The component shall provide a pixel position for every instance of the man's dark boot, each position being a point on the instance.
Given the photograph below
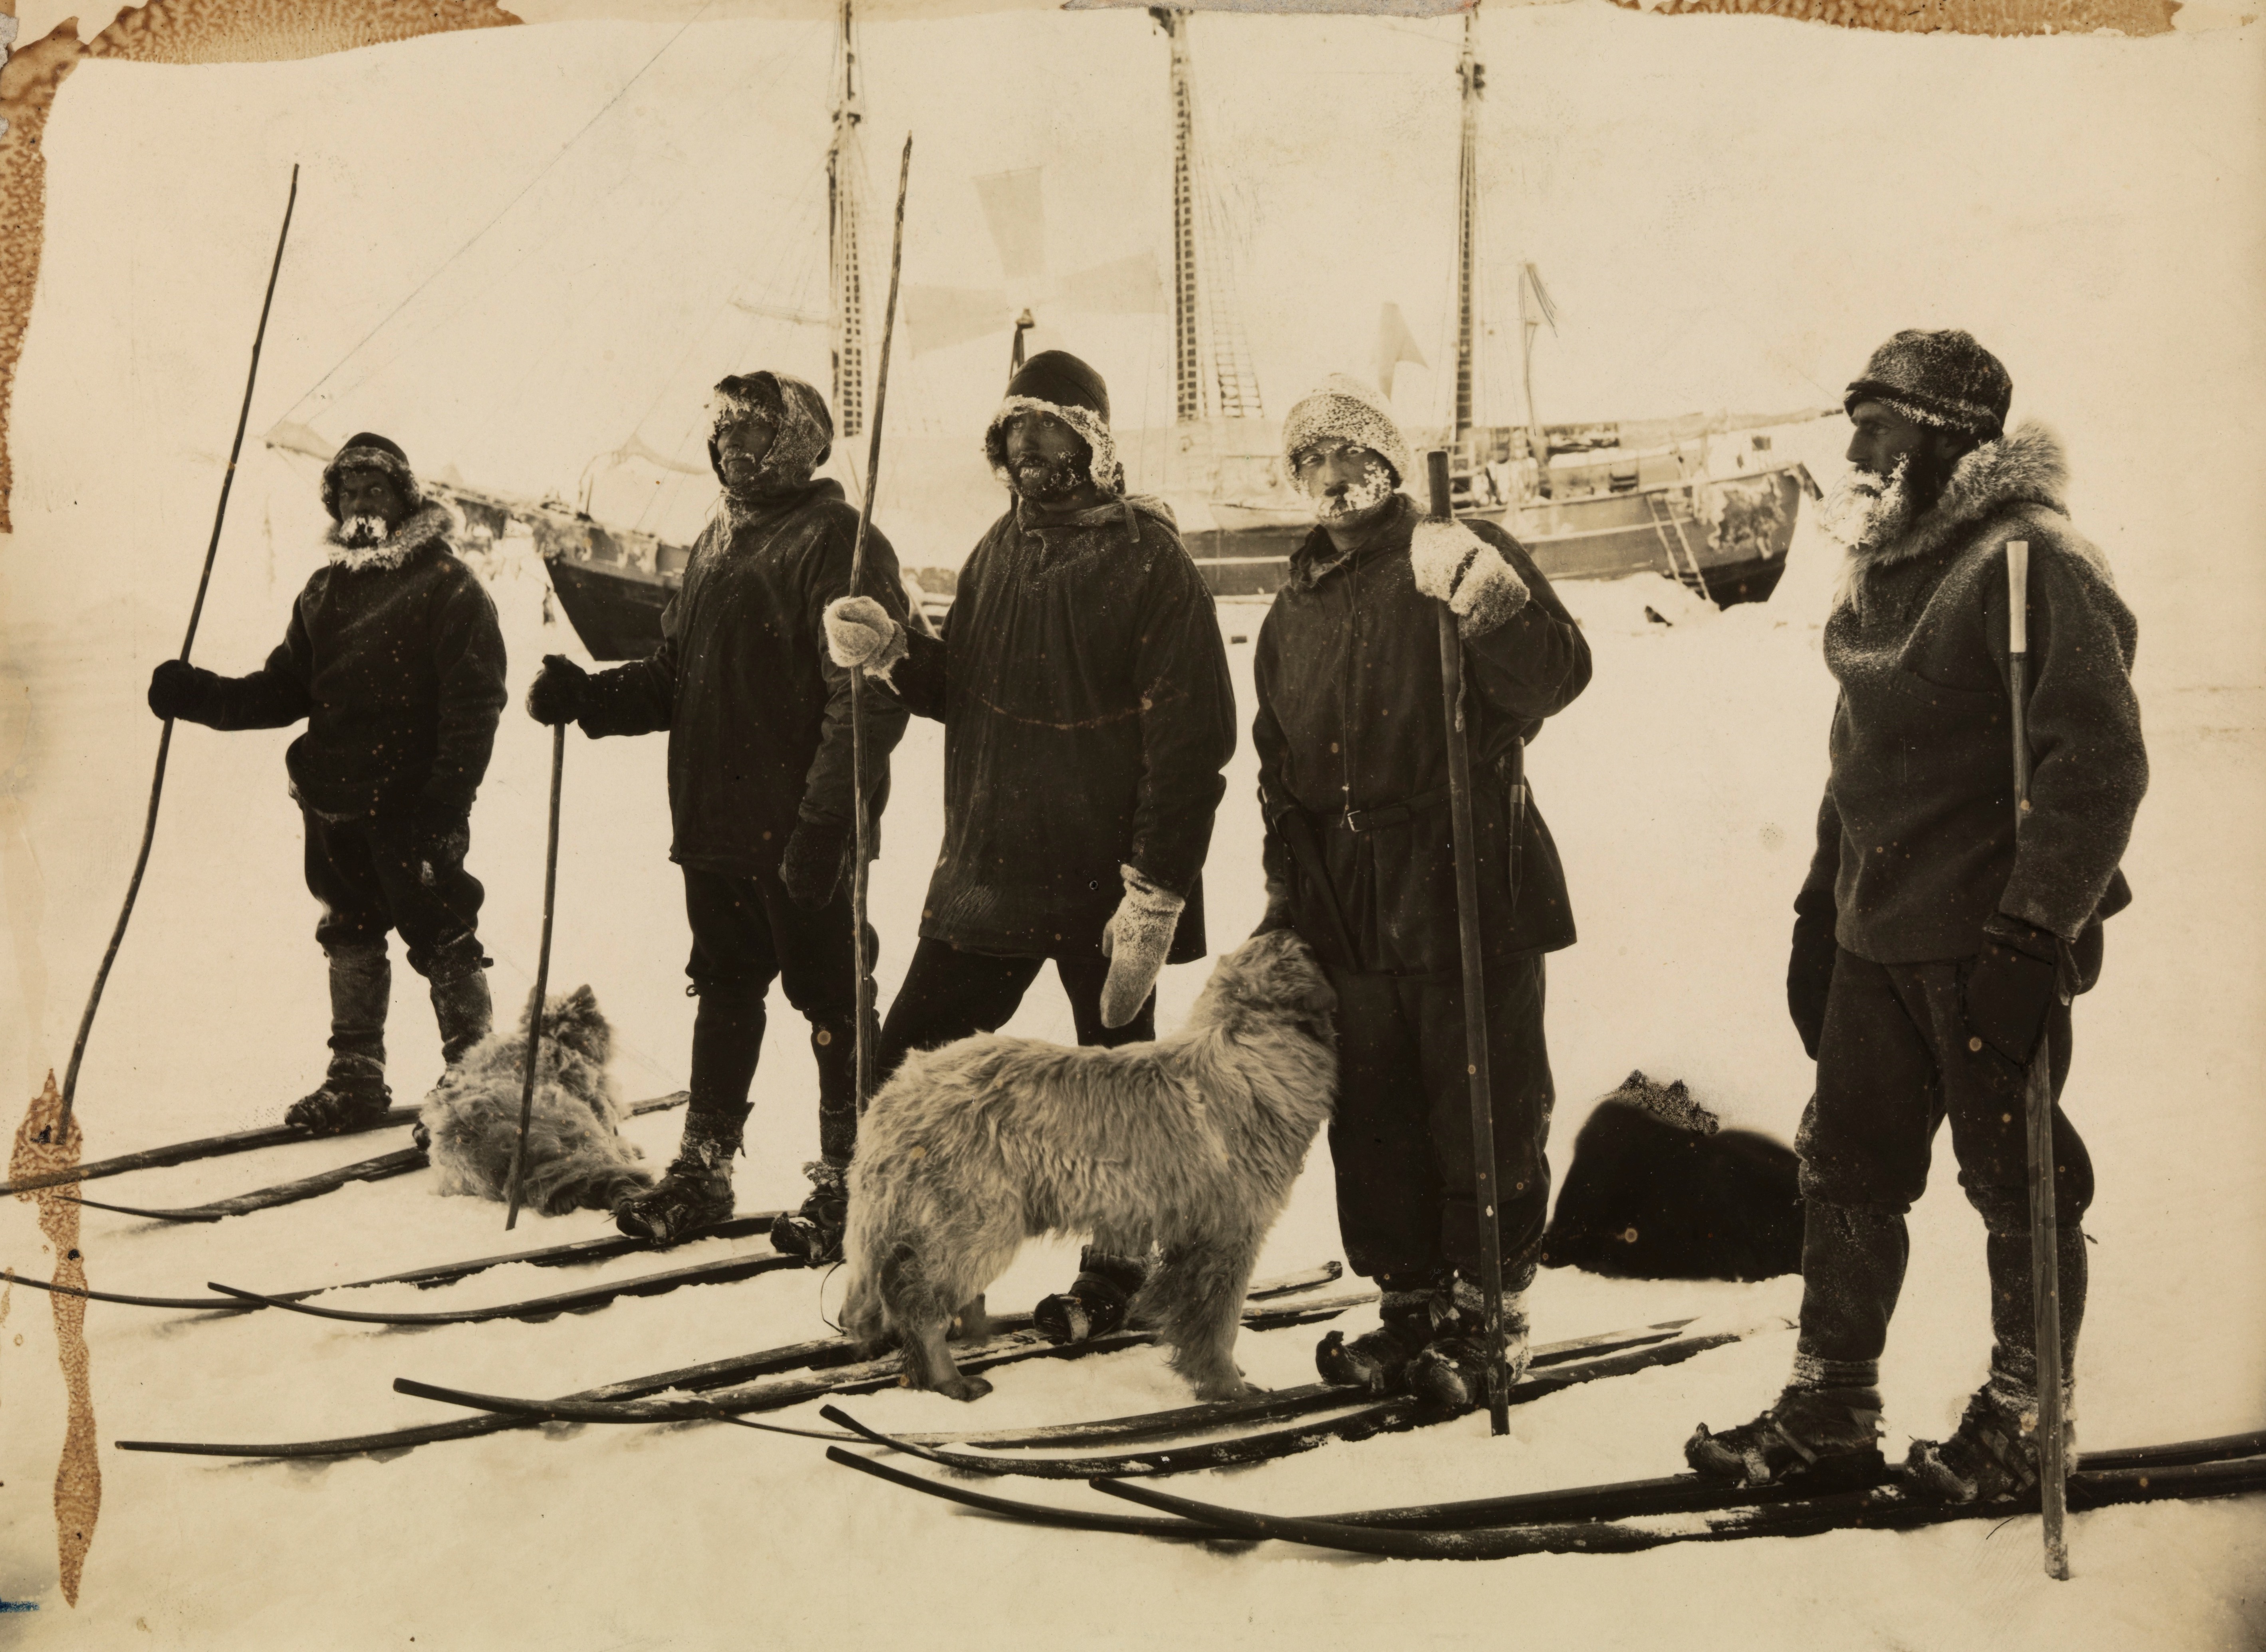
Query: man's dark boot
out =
(353, 1095)
(462, 1008)
(814, 1231)
(1095, 1304)
(1414, 1307)
(1451, 1375)
(696, 1192)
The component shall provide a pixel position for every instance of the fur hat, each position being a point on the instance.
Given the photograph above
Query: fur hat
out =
(369, 451)
(1944, 379)
(1056, 382)
(803, 430)
(1349, 411)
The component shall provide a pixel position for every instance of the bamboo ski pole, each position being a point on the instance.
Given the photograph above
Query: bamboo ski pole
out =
(2037, 1107)
(165, 738)
(862, 829)
(542, 976)
(1467, 926)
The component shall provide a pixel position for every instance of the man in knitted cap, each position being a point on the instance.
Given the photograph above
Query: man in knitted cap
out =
(1360, 854)
(1087, 714)
(1934, 949)
(394, 658)
(759, 786)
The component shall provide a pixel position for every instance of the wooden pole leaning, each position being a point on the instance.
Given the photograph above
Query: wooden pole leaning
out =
(1476, 1028)
(2038, 1104)
(165, 738)
(542, 978)
(862, 829)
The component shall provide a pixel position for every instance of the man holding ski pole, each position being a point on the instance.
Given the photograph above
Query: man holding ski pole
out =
(759, 786)
(1087, 715)
(1352, 733)
(1935, 947)
(394, 658)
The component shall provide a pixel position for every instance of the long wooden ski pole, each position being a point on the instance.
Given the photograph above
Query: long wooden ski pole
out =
(542, 976)
(863, 829)
(2037, 1107)
(1467, 927)
(165, 738)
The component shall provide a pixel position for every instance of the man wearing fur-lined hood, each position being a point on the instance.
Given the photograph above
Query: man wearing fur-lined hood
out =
(1353, 774)
(394, 658)
(1936, 947)
(1087, 716)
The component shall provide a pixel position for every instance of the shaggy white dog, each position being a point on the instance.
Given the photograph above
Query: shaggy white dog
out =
(576, 1158)
(1191, 1144)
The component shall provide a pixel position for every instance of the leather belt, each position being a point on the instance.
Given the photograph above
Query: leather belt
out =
(1370, 820)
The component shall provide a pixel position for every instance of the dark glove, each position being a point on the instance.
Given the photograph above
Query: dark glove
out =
(440, 835)
(812, 867)
(556, 695)
(178, 689)
(2012, 988)
(1278, 915)
(1809, 974)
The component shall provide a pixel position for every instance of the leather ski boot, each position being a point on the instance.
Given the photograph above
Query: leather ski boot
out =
(814, 1231)
(1993, 1454)
(464, 1011)
(353, 1095)
(1450, 1375)
(695, 1193)
(1825, 1427)
(1095, 1304)
(1377, 1361)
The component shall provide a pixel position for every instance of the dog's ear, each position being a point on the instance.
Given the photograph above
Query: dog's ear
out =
(575, 1023)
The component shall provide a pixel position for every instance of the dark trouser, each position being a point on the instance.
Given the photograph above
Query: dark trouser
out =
(364, 872)
(746, 934)
(1401, 1140)
(1895, 1061)
(949, 995)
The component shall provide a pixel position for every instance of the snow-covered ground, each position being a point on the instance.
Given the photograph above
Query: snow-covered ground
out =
(1681, 789)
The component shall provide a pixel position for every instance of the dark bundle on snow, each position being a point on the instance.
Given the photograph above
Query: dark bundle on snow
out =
(1658, 1190)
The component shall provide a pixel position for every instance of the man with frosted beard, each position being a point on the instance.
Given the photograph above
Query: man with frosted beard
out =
(394, 658)
(1087, 715)
(1361, 860)
(1935, 945)
(759, 787)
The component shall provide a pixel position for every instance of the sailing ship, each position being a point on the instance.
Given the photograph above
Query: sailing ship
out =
(1702, 500)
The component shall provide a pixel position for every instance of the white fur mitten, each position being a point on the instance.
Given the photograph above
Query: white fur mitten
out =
(1135, 940)
(1457, 566)
(861, 633)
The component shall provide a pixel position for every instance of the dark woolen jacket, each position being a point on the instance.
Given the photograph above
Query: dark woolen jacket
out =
(1087, 715)
(757, 713)
(397, 662)
(1917, 844)
(1352, 716)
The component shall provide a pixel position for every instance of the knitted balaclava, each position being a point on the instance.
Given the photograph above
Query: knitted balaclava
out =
(1945, 380)
(1056, 382)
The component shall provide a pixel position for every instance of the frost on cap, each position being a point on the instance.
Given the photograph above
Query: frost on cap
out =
(1057, 383)
(369, 451)
(803, 430)
(1346, 409)
(1945, 379)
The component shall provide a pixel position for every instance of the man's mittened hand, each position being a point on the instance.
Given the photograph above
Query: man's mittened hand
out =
(1135, 940)
(1278, 915)
(2012, 988)
(861, 633)
(178, 689)
(1453, 565)
(812, 867)
(1810, 976)
(556, 695)
(440, 836)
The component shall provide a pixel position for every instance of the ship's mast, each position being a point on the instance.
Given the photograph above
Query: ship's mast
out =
(845, 289)
(1471, 73)
(1188, 360)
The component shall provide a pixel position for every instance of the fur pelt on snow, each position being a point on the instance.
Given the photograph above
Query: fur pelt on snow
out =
(576, 1157)
(1189, 1144)
(1657, 1191)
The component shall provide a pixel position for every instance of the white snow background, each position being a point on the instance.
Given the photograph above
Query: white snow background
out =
(1732, 213)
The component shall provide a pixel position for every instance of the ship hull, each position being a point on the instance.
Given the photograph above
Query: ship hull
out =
(616, 612)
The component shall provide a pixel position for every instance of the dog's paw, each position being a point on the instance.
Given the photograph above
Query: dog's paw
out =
(965, 1387)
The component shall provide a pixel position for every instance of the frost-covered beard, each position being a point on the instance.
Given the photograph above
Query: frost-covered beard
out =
(362, 533)
(1045, 481)
(1865, 510)
(1358, 498)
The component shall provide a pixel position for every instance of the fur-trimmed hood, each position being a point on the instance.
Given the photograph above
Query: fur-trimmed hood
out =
(429, 523)
(2025, 468)
(1105, 470)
